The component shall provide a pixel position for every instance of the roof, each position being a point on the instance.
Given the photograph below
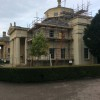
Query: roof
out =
(58, 7)
(58, 22)
(5, 39)
(13, 28)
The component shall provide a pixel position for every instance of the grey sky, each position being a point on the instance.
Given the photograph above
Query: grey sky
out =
(24, 11)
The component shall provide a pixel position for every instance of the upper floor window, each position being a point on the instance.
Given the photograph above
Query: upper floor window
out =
(55, 14)
(86, 53)
(51, 33)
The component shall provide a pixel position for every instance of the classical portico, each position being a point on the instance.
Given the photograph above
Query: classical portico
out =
(18, 45)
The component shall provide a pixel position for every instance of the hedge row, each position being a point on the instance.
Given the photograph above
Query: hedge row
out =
(47, 74)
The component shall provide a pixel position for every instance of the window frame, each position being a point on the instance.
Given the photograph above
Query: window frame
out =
(51, 33)
(86, 53)
(62, 53)
(52, 52)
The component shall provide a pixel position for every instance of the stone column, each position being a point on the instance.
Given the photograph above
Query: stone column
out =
(25, 50)
(11, 52)
(4, 52)
(14, 51)
(17, 53)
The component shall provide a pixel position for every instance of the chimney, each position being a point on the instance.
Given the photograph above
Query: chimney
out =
(10, 24)
(4, 34)
(59, 3)
(14, 23)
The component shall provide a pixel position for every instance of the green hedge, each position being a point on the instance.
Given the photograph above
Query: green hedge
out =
(47, 74)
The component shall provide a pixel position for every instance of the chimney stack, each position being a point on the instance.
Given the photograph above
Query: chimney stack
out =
(4, 34)
(10, 24)
(59, 3)
(14, 23)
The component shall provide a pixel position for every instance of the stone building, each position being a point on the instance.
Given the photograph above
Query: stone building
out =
(4, 48)
(63, 28)
(18, 44)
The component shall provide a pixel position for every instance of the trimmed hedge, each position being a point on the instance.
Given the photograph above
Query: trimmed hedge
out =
(47, 74)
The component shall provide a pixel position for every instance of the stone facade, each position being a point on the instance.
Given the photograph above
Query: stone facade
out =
(18, 45)
(4, 48)
(63, 28)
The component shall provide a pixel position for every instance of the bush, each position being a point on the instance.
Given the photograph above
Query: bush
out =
(47, 74)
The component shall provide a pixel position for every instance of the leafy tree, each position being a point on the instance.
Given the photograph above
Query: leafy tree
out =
(39, 45)
(92, 36)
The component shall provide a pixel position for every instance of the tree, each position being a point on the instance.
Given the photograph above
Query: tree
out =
(92, 36)
(39, 45)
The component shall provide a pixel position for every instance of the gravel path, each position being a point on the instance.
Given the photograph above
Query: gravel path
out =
(69, 90)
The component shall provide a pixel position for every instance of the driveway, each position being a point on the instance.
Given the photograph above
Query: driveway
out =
(69, 90)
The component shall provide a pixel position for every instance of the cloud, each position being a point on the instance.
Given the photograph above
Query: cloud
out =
(13, 8)
(16, 10)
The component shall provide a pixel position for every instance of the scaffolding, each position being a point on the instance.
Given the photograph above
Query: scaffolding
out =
(59, 41)
(62, 35)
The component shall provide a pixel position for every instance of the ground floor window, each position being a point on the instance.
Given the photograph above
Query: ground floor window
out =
(63, 53)
(86, 53)
(51, 51)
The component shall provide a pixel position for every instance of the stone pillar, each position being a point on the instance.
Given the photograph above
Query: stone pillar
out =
(14, 51)
(17, 53)
(25, 50)
(4, 49)
(11, 52)
(2, 52)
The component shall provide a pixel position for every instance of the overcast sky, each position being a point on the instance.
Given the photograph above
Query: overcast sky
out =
(24, 11)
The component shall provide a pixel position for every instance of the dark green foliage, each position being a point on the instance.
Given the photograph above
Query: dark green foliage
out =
(47, 74)
(92, 36)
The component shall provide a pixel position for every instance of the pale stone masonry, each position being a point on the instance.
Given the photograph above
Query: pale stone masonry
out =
(4, 48)
(63, 28)
(18, 45)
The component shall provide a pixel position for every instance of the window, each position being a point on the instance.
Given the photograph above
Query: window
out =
(86, 53)
(63, 53)
(8, 50)
(51, 33)
(55, 14)
(51, 51)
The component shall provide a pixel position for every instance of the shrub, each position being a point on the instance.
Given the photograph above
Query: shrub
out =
(48, 73)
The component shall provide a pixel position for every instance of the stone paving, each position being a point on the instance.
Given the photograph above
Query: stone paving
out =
(69, 90)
